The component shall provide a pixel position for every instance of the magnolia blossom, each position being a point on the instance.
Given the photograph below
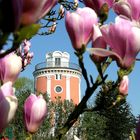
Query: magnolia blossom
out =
(123, 87)
(8, 104)
(97, 4)
(11, 11)
(35, 10)
(25, 12)
(25, 54)
(79, 25)
(123, 40)
(97, 42)
(26, 46)
(10, 67)
(128, 8)
(35, 110)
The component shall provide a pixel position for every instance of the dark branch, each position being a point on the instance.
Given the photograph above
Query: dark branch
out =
(82, 105)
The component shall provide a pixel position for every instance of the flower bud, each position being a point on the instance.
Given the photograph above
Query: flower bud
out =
(52, 28)
(123, 87)
(97, 5)
(10, 67)
(61, 11)
(79, 25)
(76, 3)
(98, 42)
(35, 110)
(8, 105)
(26, 46)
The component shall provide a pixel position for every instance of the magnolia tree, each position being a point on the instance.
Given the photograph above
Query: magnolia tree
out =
(23, 19)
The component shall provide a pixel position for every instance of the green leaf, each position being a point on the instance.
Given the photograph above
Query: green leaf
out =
(28, 32)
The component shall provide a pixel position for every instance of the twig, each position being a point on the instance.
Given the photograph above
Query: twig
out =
(82, 105)
(84, 72)
(14, 47)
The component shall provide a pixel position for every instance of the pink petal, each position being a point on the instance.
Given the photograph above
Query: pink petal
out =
(104, 53)
(97, 4)
(122, 38)
(135, 4)
(8, 105)
(27, 106)
(34, 10)
(79, 26)
(35, 110)
(123, 8)
(7, 89)
(97, 42)
(10, 67)
(12, 10)
(49, 4)
(123, 88)
(74, 26)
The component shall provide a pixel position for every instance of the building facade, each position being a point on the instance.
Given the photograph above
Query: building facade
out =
(58, 77)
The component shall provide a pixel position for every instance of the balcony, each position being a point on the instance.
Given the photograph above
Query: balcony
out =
(53, 64)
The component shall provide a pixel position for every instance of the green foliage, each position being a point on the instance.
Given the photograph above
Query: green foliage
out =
(23, 83)
(92, 126)
(107, 122)
(28, 32)
(119, 119)
(24, 87)
(115, 123)
(18, 122)
(58, 112)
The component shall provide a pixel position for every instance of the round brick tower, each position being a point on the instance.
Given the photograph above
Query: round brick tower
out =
(58, 77)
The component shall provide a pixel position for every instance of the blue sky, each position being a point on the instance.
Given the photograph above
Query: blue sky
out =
(60, 41)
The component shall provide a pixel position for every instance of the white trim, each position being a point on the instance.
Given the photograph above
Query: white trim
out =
(57, 71)
(68, 87)
(61, 73)
(49, 85)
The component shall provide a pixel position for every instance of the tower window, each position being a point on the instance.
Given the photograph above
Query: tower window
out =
(58, 76)
(57, 62)
(58, 89)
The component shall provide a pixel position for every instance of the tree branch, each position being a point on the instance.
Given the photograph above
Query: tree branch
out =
(82, 105)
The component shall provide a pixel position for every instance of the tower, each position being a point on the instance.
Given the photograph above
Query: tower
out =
(58, 77)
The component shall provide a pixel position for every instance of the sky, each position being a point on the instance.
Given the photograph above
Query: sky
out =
(60, 41)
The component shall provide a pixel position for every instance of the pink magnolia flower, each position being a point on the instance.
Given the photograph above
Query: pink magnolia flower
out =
(97, 4)
(128, 8)
(97, 42)
(123, 87)
(11, 11)
(123, 40)
(35, 10)
(8, 105)
(29, 58)
(25, 12)
(35, 110)
(25, 54)
(79, 25)
(26, 46)
(10, 67)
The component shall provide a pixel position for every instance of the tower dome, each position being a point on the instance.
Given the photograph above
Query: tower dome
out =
(57, 77)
